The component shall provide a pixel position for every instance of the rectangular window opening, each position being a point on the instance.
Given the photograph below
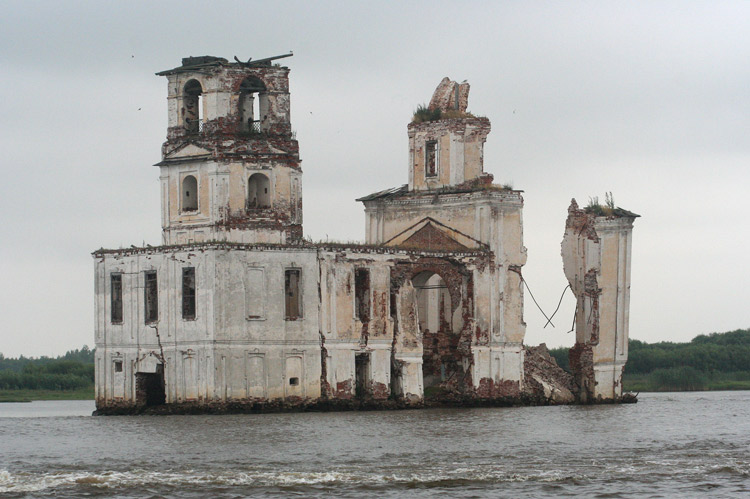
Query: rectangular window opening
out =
(118, 366)
(430, 159)
(188, 293)
(362, 294)
(151, 297)
(291, 294)
(294, 381)
(255, 293)
(116, 298)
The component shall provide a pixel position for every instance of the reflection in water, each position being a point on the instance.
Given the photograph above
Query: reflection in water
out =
(668, 444)
(46, 408)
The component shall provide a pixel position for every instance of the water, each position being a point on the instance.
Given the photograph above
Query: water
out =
(667, 445)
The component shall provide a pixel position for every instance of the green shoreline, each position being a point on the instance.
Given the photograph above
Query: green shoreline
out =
(31, 395)
(705, 383)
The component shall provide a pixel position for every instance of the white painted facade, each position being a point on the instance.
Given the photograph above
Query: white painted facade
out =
(240, 344)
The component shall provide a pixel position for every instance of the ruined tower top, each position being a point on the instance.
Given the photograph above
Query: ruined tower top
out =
(446, 143)
(450, 96)
(212, 97)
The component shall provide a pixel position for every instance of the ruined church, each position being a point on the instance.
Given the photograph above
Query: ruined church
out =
(236, 310)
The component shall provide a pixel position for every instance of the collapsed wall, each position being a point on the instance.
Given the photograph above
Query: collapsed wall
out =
(596, 253)
(544, 380)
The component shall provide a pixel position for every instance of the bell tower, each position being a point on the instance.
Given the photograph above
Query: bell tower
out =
(230, 168)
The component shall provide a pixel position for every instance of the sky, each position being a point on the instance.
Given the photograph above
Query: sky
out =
(647, 100)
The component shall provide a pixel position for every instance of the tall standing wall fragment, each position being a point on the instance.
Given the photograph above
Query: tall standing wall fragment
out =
(596, 253)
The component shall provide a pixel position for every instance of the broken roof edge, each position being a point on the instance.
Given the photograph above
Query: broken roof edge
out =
(451, 117)
(304, 245)
(385, 193)
(384, 250)
(403, 190)
(189, 159)
(193, 63)
(597, 209)
(607, 212)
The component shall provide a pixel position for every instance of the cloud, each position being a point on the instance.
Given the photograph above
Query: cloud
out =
(650, 101)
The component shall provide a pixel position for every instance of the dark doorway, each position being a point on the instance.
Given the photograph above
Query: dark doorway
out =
(362, 294)
(149, 388)
(362, 374)
(441, 361)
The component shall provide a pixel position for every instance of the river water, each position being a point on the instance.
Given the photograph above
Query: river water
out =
(667, 445)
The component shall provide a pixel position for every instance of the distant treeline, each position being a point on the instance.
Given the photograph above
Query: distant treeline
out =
(73, 370)
(713, 361)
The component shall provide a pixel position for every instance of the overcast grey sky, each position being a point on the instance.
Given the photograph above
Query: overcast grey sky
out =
(649, 100)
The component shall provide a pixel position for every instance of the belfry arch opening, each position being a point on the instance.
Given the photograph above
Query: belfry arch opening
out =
(441, 362)
(258, 192)
(253, 104)
(192, 110)
(189, 193)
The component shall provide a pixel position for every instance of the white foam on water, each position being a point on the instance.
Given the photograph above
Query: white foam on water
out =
(34, 482)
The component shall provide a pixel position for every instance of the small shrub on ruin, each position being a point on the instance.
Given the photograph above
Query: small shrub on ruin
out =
(424, 113)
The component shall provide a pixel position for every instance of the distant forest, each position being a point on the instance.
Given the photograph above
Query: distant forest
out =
(71, 371)
(717, 361)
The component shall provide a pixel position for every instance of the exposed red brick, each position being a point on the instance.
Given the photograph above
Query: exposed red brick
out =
(488, 388)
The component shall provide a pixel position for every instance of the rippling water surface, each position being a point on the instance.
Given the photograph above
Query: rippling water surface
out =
(667, 445)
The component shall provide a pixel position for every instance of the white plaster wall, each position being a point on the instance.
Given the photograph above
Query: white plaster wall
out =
(610, 354)
(222, 353)
(222, 192)
(460, 145)
(133, 341)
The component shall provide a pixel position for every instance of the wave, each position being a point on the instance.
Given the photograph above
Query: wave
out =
(172, 481)
(20, 482)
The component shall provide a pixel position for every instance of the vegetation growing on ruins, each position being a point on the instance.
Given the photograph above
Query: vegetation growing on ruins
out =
(424, 113)
(601, 210)
(717, 361)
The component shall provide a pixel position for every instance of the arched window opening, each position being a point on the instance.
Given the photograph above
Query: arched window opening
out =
(189, 194)
(193, 106)
(253, 104)
(258, 192)
(440, 361)
(433, 301)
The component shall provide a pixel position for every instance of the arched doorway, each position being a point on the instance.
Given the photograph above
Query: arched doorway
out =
(441, 362)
